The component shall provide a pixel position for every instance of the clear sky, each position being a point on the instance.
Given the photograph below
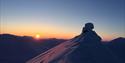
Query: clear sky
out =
(62, 18)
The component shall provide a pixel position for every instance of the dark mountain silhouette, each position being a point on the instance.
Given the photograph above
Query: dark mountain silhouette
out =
(118, 41)
(84, 48)
(118, 47)
(19, 49)
(92, 50)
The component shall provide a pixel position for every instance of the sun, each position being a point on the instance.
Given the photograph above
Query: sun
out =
(37, 36)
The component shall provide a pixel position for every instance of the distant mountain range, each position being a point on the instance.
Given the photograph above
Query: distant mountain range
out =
(19, 49)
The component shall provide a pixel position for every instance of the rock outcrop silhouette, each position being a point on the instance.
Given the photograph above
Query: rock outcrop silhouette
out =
(90, 49)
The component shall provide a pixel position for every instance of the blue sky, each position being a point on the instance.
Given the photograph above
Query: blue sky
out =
(62, 16)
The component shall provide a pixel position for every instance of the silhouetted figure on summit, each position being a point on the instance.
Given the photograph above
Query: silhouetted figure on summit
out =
(88, 36)
(88, 33)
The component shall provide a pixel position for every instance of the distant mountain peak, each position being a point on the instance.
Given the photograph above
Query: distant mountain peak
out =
(118, 39)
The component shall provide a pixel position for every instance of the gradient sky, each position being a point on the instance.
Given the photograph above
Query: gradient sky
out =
(62, 18)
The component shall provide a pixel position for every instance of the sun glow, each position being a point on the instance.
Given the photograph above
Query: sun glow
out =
(37, 36)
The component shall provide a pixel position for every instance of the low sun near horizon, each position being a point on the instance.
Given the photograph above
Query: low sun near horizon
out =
(37, 36)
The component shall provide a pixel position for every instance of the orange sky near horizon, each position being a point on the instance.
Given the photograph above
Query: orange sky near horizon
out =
(51, 31)
(62, 19)
(58, 35)
(45, 31)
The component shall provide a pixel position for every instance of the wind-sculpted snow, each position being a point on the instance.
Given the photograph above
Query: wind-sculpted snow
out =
(53, 54)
